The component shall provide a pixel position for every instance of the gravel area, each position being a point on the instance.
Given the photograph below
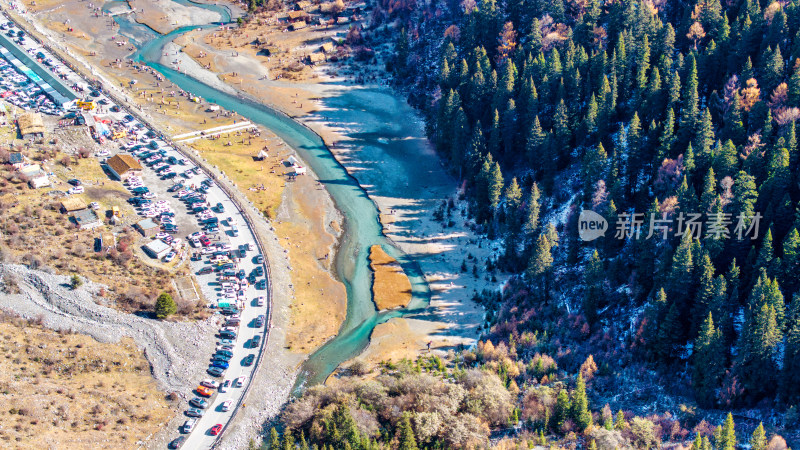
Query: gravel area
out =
(177, 352)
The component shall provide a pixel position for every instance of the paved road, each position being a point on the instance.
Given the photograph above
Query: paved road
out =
(200, 437)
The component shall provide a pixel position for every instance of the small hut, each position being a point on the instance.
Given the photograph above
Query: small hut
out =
(262, 155)
(31, 125)
(299, 25)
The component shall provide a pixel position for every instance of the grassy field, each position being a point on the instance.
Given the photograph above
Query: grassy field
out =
(261, 181)
(391, 287)
(64, 390)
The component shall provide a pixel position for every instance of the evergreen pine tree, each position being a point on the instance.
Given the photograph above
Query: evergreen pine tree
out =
(727, 436)
(532, 216)
(495, 186)
(690, 100)
(534, 144)
(594, 288)
(274, 439)
(709, 362)
(667, 137)
(790, 378)
(759, 439)
(580, 405)
(669, 333)
(165, 306)
(562, 409)
(405, 434)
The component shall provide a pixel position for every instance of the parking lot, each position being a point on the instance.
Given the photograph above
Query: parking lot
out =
(199, 222)
(202, 230)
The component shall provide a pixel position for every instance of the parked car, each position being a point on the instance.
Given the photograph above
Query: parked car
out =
(255, 341)
(222, 358)
(194, 412)
(199, 402)
(226, 405)
(74, 182)
(209, 383)
(170, 256)
(188, 426)
(177, 442)
(76, 190)
(227, 334)
(204, 391)
(240, 382)
(220, 364)
(226, 353)
(259, 321)
(248, 360)
(216, 371)
(224, 386)
(216, 429)
(205, 270)
(259, 301)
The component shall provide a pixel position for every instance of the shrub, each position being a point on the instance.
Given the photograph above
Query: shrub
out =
(165, 306)
(75, 282)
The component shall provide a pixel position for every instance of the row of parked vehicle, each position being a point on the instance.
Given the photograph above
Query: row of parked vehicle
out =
(20, 89)
(148, 206)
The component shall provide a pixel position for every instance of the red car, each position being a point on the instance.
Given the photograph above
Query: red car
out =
(216, 429)
(204, 240)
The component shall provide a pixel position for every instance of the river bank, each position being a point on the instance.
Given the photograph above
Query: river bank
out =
(381, 142)
(301, 224)
(383, 146)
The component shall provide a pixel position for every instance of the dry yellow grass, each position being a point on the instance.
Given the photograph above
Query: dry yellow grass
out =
(320, 305)
(320, 300)
(309, 275)
(152, 16)
(37, 234)
(196, 53)
(236, 161)
(64, 390)
(391, 287)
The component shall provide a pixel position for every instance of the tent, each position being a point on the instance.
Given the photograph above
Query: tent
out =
(261, 155)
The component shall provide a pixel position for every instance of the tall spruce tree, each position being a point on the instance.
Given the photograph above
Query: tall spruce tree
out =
(580, 405)
(709, 362)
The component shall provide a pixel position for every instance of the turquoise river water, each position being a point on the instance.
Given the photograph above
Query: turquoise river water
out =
(362, 228)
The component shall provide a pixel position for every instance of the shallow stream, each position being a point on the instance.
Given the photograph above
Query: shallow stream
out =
(362, 228)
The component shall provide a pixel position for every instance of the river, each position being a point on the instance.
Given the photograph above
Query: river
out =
(362, 227)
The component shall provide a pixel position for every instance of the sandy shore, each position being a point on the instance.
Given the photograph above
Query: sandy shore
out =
(343, 113)
(339, 111)
(165, 15)
(391, 288)
(297, 272)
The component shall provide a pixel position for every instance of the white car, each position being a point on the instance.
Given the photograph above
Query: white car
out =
(103, 152)
(259, 301)
(170, 256)
(149, 195)
(94, 205)
(240, 381)
(75, 190)
(208, 382)
(226, 405)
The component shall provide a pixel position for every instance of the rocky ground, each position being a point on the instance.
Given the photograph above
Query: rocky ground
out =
(177, 352)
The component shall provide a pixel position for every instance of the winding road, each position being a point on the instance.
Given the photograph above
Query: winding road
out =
(220, 192)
